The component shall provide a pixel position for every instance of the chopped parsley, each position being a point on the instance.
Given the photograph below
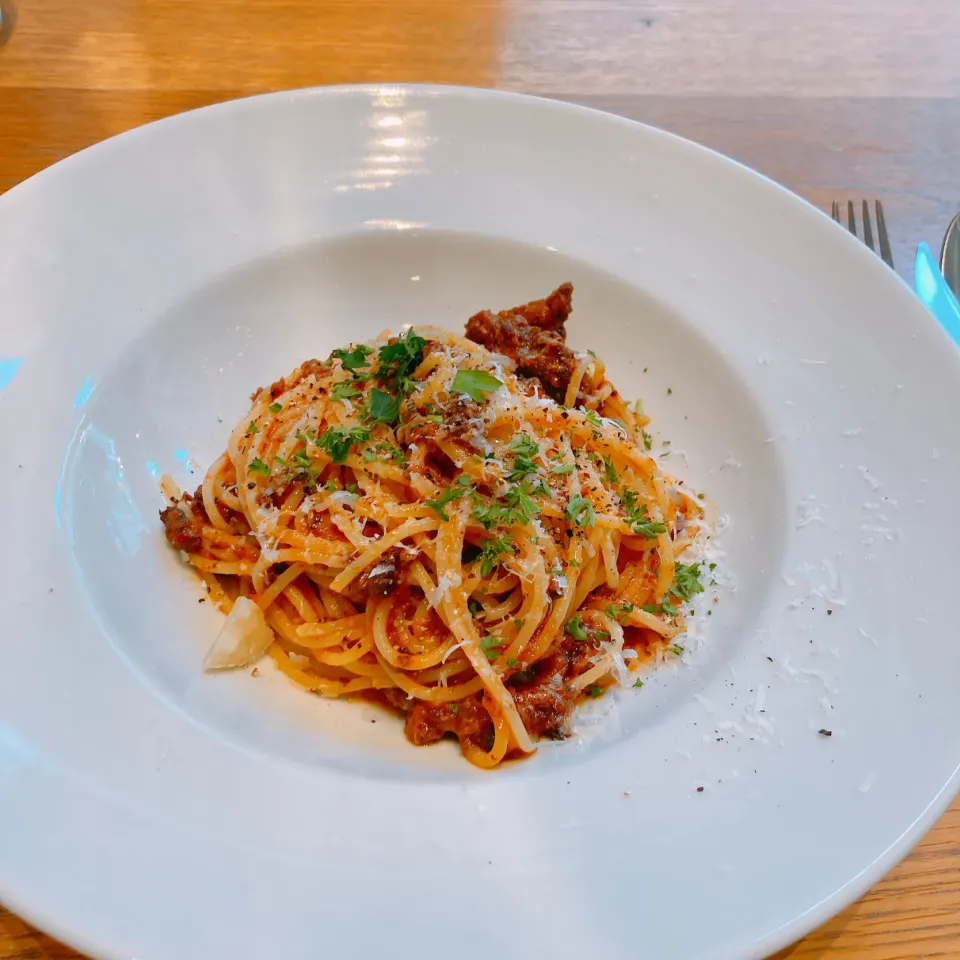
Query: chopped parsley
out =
(638, 683)
(256, 465)
(394, 453)
(354, 360)
(619, 613)
(454, 492)
(686, 581)
(345, 390)
(511, 662)
(647, 440)
(609, 471)
(491, 646)
(676, 649)
(638, 519)
(657, 608)
(475, 383)
(275, 407)
(580, 511)
(593, 418)
(562, 469)
(524, 445)
(518, 623)
(576, 629)
(491, 551)
(381, 407)
(594, 690)
(337, 441)
(520, 505)
(253, 428)
(399, 359)
(454, 707)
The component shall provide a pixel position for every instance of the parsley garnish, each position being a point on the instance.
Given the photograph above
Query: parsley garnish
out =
(638, 519)
(576, 628)
(522, 467)
(490, 553)
(620, 613)
(454, 707)
(562, 469)
(454, 492)
(517, 507)
(475, 383)
(253, 428)
(491, 647)
(518, 623)
(399, 359)
(657, 608)
(354, 360)
(345, 390)
(609, 471)
(275, 407)
(524, 445)
(381, 407)
(394, 453)
(256, 465)
(594, 690)
(686, 581)
(676, 649)
(580, 511)
(521, 506)
(592, 418)
(647, 440)
(511, 662)
(337, 441)
(638, 683)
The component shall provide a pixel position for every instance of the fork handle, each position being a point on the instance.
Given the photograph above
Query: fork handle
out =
(934, 292)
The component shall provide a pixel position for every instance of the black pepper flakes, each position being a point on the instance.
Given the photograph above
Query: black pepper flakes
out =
(699, 789)
(824, 732)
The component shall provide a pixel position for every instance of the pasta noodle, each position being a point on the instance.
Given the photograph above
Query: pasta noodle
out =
(470, 530)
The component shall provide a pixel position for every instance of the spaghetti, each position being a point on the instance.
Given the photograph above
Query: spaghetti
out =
(468, 529)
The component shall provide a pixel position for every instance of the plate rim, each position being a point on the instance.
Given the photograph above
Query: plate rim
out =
(21, 192)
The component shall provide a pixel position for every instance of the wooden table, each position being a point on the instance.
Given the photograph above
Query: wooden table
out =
(843, 99)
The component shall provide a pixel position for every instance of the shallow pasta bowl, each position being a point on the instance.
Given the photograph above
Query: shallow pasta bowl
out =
(738, 799)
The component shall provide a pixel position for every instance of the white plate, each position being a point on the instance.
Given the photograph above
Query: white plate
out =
(148, 284)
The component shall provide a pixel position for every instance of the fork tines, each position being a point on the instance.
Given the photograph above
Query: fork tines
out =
(885, 251)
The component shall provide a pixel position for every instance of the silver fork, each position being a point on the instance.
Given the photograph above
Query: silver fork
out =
(885, 252)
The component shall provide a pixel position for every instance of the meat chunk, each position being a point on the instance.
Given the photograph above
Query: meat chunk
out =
(384, 576)
(533, 335)
(544, 709)
(550, 313)
(467, 720)
(183, 522)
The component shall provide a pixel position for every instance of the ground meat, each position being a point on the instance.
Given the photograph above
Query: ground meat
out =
(544, 709)
(466, 720)
(307, 368)
(533, 335)
(183, 522)
(385, 575)
(542, 693)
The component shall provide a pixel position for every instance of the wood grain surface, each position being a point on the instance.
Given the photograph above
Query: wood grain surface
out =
(836, 100)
